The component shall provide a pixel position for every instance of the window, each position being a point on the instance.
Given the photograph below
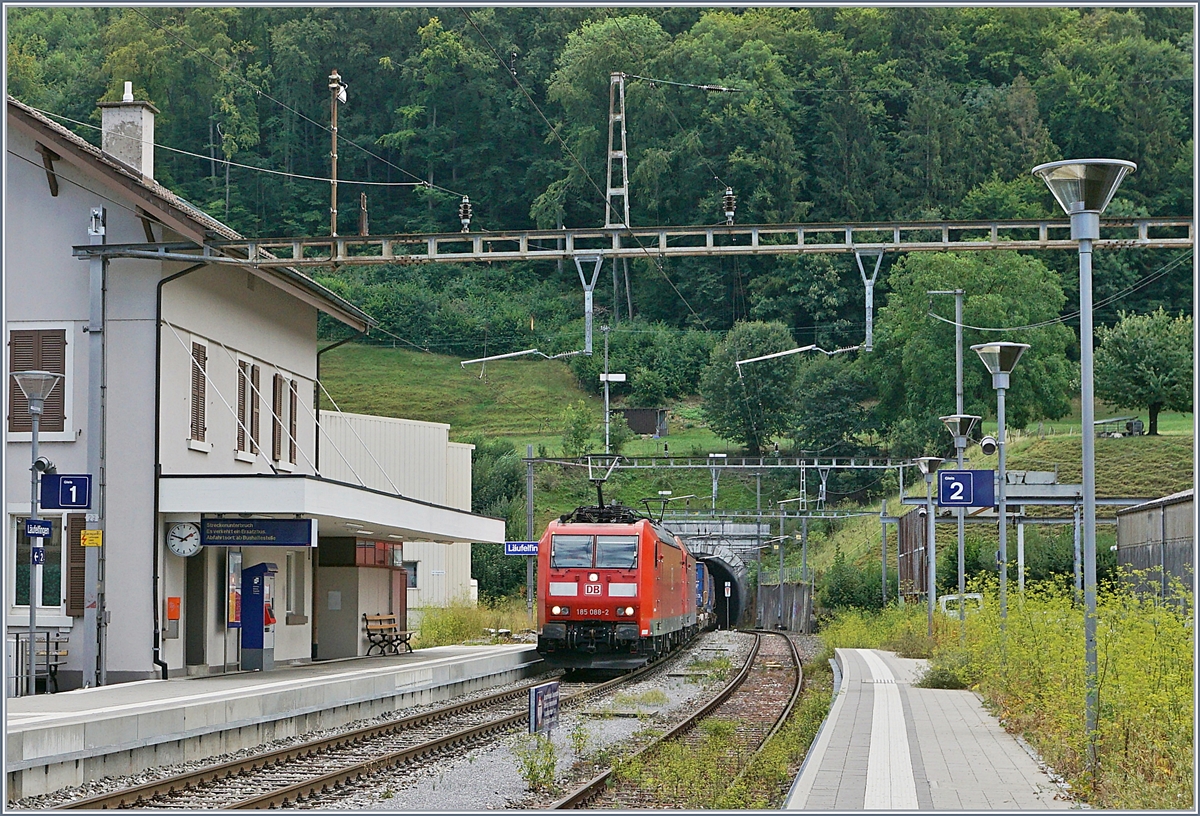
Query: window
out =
(277, 383)
(54, 587)
(411, 568)
(243, 403)
(293, 403)
(616, 552)
(295, 583)
(369, 553)
(571, 551)
(254, 401)
(37, 350)
(199, 363)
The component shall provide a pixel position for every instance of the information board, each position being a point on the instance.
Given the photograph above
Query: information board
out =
(543, 707)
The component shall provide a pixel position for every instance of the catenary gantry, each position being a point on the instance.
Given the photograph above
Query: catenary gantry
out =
(660, 242)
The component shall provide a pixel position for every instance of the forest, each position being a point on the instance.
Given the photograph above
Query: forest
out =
(809, 115)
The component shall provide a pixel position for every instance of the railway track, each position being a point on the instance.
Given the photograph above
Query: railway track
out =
(305, 772)
(758, 700)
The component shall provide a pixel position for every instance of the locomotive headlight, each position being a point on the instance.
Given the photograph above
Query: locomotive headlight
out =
(620, 611)
(556, 610)
(593, 577)
(629, 610)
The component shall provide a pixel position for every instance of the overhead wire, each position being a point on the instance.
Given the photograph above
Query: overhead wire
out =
(1141, 284)
(231, 163)
(566, 148)
(290, 109)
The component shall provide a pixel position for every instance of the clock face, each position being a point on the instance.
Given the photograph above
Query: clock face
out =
(184, 539)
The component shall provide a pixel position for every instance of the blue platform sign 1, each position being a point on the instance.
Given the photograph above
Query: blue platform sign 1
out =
(61, 491)
(38, 528)
(520, 548)
(966, 488)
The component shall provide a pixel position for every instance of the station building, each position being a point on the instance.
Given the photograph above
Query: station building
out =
(202, 412)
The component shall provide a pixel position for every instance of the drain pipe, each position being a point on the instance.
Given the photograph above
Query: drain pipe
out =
(317, 394)
(158, 661)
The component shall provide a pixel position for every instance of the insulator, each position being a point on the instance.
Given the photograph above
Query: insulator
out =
(464, 214)
(730, 204)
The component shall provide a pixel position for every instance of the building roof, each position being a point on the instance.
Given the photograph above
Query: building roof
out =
(1175, 498)
(160, 204)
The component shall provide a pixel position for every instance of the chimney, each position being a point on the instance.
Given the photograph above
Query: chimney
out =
(128, 132)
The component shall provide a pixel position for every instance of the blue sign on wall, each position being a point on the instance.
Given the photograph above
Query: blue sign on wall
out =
(61, 491)
(252, 532)
(38, 528)
(38, 555)
(966, 488)
(520, 548)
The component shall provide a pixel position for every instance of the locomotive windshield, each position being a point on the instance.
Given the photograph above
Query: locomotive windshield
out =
(616, 552)
(571, 551)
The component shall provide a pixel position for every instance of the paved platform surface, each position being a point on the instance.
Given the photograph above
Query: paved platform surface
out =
(889, 746)
(187, 717)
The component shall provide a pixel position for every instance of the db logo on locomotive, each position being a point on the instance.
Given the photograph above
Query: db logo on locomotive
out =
(591, 589)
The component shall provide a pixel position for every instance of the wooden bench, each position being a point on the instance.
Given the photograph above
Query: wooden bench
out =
(384, 633)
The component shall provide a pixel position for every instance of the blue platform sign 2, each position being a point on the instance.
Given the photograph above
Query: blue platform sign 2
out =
(38, 555)
(38, 528)
(966, 488)
(520, 548)
(61, 491)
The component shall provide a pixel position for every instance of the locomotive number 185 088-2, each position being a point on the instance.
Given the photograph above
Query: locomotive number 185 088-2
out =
(596, 612)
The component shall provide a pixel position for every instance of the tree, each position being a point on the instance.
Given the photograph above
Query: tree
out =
(831, 410)
(1145, 361)
(750, 404)
(913, 360)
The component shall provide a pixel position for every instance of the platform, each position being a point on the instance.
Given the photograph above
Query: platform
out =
(887, 745)
(60, 740)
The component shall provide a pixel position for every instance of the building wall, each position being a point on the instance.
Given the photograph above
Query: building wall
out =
(394, 455)
(443, 576)
(1158, 534)
(44, 283)
(458, 475)
(237, 317)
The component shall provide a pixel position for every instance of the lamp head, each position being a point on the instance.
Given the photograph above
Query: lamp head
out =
(1000, 357)
(1084, 185)
(988, 445)
(929, 464)
(959, 425)
(36, 386)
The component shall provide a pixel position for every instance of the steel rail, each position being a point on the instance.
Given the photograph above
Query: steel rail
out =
(669, 241)
(300, 791)
(128, 797)
(779, 723)
(594, 787)
(133, 796)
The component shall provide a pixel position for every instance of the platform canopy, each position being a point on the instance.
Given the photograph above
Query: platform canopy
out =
(340, 509)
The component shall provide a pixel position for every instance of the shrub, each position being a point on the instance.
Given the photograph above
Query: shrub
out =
(538, 761)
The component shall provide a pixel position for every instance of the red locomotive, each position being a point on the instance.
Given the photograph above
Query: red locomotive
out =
(615, 589)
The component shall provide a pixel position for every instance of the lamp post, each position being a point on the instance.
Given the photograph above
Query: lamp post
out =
(1001, 358)
(36, 387)
(1084, 188)
(928, 466)
(960, 426)
(606, 378)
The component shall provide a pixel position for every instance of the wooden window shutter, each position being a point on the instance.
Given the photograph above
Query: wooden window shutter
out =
(52, 345)
(255, 393)
(76, 556)
(199, 395)
(37, 350)
(241, 406)
(276, 417)
(293, 404)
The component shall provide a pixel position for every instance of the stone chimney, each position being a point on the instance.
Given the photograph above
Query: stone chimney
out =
(128, 132)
